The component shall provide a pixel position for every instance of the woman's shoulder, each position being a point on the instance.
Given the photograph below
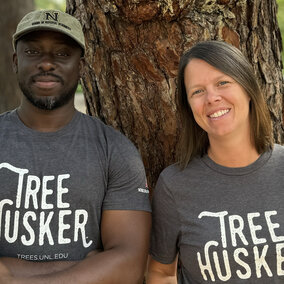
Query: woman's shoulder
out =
(176, 172)
(170, 171)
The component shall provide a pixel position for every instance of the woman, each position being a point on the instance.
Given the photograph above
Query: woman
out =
(219, 211)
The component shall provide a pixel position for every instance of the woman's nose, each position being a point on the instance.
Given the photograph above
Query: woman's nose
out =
(212, 95)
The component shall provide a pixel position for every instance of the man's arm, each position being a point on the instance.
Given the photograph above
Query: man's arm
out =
(23, 268)
(125, 237)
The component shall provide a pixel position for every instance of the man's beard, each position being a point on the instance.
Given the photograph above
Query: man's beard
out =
(48, 102)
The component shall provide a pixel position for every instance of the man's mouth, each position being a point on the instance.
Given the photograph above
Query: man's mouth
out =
(46, 85)
(47, 78)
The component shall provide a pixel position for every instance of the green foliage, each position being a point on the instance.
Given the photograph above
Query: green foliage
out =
(280, 14)
(280, 18)
(79, 88)
(51, 4)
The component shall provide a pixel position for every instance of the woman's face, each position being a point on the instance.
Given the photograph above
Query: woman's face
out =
(219, 104)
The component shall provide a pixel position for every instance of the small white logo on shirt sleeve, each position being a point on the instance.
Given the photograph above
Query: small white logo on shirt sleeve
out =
(143, 190)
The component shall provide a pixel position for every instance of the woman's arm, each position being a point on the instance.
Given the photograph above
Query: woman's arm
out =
(159, 273)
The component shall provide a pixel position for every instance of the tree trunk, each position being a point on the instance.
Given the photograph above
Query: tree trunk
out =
(133, 50)
(11, 13)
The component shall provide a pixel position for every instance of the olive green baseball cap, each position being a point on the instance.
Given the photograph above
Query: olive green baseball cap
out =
(53, 20)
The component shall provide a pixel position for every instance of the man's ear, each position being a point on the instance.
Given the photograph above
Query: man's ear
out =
(15, 62)
(81, 66)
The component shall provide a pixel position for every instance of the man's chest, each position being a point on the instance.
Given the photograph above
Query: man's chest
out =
(50, 203)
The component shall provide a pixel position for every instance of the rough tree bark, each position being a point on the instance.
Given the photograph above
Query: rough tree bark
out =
(11, 12)
(133, 49)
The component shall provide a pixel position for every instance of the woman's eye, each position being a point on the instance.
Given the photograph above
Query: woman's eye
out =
(196, 92)
(222, 83)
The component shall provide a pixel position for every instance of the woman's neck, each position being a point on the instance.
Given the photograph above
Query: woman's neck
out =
(236, 153)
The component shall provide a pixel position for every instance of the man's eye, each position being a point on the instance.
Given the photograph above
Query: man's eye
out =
(62, 54)
(31, 52)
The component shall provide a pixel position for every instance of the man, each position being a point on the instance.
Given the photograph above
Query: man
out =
(73, 202)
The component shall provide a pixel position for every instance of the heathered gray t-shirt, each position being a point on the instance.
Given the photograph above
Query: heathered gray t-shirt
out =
(54, 186)
(227, 224)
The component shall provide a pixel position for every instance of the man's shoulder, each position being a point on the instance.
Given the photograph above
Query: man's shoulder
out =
(105, 132)
(96, 122)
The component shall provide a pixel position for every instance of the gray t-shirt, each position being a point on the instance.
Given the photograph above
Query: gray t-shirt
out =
(226, 224)
(55, 185)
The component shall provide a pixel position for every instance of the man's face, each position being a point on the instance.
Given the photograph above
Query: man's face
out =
(47, 64)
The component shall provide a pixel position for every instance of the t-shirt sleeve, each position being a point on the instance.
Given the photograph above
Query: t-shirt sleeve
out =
(126, 184)
(165, 224)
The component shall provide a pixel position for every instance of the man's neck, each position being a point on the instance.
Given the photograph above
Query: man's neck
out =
(46, 120)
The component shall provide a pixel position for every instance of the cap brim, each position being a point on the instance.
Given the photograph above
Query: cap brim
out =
(16, 37)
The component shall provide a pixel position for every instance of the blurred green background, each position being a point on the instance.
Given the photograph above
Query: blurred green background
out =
(280, 17)
(51, 4)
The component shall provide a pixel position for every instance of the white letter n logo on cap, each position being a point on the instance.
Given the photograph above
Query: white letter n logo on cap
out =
(53, 16)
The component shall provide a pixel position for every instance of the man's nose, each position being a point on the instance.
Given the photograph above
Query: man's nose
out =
(46, 64)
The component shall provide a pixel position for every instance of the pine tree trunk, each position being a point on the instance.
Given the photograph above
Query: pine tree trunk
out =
(133, 50)
(11, 13)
